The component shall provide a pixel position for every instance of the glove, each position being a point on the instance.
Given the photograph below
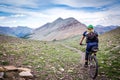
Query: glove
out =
(80, 43)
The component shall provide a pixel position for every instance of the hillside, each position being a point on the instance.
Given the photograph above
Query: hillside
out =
(20, 31)
(47, 60)
(58, 29)
(61, 59)
(108, 54)
(102, 29)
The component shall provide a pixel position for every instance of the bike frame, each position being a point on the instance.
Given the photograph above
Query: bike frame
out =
(93, 65)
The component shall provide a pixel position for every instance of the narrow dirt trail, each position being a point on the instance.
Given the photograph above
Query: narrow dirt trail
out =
(82, 54)
(81, 70)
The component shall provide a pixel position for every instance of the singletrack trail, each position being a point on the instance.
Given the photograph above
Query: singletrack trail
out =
(82, 54)
(83, 72)
(80, 68)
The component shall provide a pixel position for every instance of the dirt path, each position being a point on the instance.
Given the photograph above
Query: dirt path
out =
(82, 54)
(81, 70)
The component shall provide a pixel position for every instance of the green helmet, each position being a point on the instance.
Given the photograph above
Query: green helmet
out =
(90, 26)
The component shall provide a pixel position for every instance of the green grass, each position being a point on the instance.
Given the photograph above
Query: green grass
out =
(74, 42)
(50, 60)
(108, 55)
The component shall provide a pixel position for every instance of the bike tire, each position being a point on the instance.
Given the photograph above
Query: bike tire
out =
(93, 64)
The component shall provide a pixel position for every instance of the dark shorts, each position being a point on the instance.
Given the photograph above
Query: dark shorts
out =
(90, 45)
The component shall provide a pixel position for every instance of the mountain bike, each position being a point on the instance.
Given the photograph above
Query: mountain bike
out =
(93, 63)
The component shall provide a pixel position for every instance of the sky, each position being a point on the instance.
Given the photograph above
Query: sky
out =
(35, 13)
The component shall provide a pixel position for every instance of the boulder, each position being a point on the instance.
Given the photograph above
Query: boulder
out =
(10, 68)
(26, 74)
(1, 75)
(24, 69)
(2, 69)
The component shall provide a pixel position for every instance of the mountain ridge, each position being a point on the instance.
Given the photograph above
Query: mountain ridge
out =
(64, 28)
(102, 29)
(59, 29)
(56, 30)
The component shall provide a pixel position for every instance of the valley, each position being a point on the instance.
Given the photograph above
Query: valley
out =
(61, 59)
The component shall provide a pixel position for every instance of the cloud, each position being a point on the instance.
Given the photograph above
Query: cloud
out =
(84, 3)
(2, 17)
(27, 3)
(18, 15)
(20, 3)
(82, 16)
(35, 13)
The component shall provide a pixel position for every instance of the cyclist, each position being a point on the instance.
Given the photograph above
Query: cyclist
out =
(91, 41)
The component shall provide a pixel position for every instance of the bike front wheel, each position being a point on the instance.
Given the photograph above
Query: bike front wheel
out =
(93, 66)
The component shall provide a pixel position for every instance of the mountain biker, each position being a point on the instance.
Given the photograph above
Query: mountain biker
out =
(90, 42)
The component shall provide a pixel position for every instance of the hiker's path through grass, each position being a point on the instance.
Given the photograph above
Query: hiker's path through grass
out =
(80, 68)
(82, 54)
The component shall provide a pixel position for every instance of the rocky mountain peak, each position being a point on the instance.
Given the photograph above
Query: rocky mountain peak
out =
(58, 20)
(55, 30)
(71, 18)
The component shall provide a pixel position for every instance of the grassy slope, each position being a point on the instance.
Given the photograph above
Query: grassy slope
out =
(53, 61)
(109, 54)
(48, 60)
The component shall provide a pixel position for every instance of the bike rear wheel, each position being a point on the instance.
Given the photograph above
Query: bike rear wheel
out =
(93, 66)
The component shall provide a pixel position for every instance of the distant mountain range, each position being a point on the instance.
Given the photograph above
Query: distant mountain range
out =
(56, 30)
(59, 29)
(102, 29)
(64, 28)
(19, 31)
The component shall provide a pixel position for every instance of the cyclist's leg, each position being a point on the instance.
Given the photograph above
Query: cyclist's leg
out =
(86, 59)
(88, 48)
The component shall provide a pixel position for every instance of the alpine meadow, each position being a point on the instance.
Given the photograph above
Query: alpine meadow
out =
(51, 60)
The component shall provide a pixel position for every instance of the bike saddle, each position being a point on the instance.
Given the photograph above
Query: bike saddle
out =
(94, 49)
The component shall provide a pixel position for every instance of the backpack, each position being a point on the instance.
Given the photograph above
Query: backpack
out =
(91, 36)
